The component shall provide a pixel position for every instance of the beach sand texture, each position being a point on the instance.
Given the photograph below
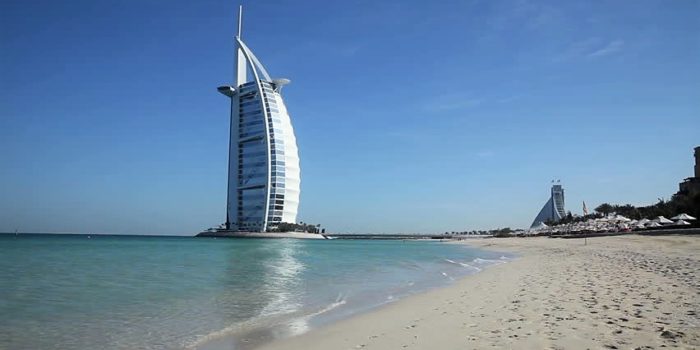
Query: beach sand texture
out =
(624, 292)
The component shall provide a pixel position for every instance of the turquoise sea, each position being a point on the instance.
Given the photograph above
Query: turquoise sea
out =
(136, 292)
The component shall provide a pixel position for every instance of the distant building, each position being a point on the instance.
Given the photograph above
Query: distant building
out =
(553, 210)
(691, 186)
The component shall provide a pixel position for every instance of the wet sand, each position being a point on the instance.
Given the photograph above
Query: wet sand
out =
(624, 292)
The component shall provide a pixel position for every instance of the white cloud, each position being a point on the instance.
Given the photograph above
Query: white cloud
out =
(611, 48)
(589, 48)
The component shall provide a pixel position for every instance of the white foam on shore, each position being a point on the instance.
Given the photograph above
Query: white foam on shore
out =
(481, 261)
(232, 329)
(448, 276)
(463, 265)
(339, 301)
(298, 325)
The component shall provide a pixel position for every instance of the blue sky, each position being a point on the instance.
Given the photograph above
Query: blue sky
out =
(411, 116)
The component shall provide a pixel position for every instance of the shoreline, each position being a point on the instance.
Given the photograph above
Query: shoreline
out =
(615, 292)
(271, 235)
(350, 306)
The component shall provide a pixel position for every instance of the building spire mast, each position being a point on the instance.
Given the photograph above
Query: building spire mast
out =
(241, 66)
(240, 20)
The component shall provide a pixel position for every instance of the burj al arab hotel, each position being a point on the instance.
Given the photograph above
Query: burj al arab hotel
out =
(263, 166)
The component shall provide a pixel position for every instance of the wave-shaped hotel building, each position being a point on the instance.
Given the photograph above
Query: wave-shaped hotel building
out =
(263, 169)
(553, 209)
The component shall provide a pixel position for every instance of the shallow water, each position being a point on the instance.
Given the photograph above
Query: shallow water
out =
(127, 292)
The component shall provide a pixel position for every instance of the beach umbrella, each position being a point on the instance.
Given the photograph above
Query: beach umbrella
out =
(654, 224)
(682, 222)
(662, 220)
(644, 221)
(683, 216)
(622, 218)
(640, 225)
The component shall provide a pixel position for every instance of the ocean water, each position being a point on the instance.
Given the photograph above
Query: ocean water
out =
(129, 292)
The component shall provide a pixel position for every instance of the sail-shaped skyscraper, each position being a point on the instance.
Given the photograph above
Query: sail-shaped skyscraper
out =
(263, 169)
(553, 209)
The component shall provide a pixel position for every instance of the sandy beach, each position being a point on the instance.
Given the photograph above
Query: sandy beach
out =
(624, 292)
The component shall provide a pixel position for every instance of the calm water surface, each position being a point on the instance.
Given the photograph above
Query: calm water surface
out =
(107, 292)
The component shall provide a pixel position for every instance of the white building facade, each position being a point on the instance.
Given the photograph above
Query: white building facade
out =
(263, 173)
